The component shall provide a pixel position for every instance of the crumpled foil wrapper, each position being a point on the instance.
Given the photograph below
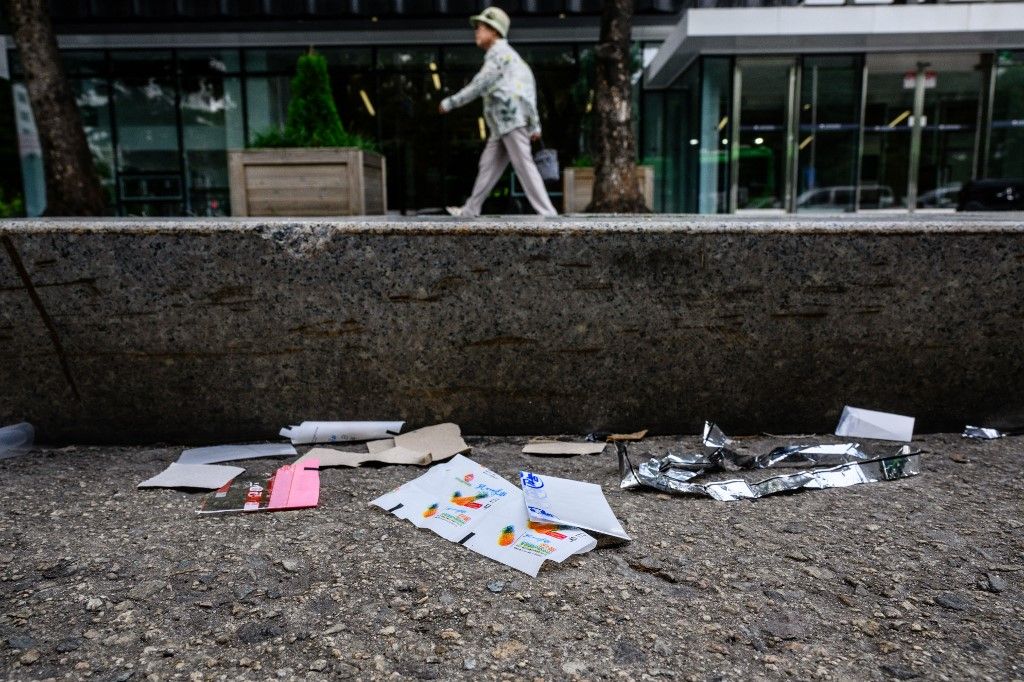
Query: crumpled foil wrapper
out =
(982, 433)
(838, 465)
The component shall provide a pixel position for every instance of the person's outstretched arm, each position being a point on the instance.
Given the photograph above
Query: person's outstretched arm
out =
(482, 81)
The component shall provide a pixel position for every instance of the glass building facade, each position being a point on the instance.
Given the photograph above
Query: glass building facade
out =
(160, 122)
(835, 133)
(770, 131)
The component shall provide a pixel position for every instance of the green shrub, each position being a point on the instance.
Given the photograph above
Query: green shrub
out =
(312, 117)
(15, 208)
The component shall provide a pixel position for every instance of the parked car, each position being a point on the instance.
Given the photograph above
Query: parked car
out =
(840, 197)
(941, 197)
(992, 195)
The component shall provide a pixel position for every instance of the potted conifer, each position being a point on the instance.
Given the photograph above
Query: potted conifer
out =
(313, 167)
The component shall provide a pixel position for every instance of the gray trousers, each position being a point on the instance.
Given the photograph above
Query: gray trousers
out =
(513, 146)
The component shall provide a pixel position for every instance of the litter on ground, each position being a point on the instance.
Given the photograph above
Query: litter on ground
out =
(470, 505)
(292, 486)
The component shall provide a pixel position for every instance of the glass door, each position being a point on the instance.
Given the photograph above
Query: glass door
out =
(830, 91)
(888, 126)
(762, 145)
(949, 133)
(921, 122)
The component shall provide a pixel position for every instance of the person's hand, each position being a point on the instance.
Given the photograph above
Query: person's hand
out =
(535, 137)
(441, 109)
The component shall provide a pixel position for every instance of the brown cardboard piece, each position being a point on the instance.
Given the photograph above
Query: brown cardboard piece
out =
(329, 457)
(420, 447)
(558, 447)
(636, 435)
(380, 445)
(440, 442)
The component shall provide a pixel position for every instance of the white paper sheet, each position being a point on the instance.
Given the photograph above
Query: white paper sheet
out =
(469, 504)
(206, 476)
(557, 447)
(231, 453)
(856, 422)
(339, 432)
(571, 503)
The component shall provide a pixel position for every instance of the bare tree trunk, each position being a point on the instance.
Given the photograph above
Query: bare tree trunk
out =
(616, 189)
(72, 184)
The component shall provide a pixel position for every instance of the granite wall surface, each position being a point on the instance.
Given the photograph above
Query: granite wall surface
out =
(206, 331)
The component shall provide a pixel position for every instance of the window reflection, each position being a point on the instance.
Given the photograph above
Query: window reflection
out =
(1006, 149)
(160, 122)
(828, 133)
(94, 106)
(147, 152)
(211, 119)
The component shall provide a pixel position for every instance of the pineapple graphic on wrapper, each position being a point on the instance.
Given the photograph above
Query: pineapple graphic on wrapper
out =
(507, 536)
(468, 501)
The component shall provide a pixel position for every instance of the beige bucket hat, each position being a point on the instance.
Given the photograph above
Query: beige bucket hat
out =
(494, 17)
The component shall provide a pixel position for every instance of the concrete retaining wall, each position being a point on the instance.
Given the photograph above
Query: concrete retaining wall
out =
(211, 331)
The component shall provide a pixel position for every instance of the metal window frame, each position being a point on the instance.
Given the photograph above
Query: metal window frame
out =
(985, 124)
(791, 167)
(860, 135)
(793, 134)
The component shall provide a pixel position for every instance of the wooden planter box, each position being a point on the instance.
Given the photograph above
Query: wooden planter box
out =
(578, 187)
(329, 181)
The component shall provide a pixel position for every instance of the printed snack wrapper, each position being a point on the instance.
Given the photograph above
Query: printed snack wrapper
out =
(560, 500)
(468, 504)
(292, 486)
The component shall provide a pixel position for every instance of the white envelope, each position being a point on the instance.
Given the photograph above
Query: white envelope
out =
(571, 503)
(339, 432)
(856, 422)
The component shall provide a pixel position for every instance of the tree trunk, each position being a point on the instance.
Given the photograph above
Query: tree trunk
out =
(72, 185)
(616, 189)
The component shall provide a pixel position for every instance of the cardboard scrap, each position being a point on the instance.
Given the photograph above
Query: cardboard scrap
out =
(380, 445)
(550, 499)
(329, 457)
(557, 447)
(856, 422)
(292, 486)
(440, 442)
(339, 432)
(468, 504)
(230, 453)
(636, 435)
(206, 476)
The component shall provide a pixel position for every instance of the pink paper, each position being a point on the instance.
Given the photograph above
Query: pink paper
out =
(296, 486)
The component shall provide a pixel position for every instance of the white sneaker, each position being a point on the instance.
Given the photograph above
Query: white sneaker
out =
(454, 211)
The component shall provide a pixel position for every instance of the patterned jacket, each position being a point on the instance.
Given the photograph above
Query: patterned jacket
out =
(509, 91)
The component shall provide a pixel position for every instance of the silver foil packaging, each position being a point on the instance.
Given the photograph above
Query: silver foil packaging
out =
(983, 433)
(839, 466)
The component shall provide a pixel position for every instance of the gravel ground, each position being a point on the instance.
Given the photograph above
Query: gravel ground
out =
(914, 578)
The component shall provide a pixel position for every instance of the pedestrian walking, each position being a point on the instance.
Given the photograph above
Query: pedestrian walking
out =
(510, 109)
